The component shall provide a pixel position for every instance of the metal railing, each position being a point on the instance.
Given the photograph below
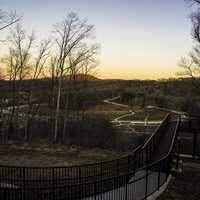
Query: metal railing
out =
(190, 123)
(142, 183)
(116, 179)
(189, 136)
(152, 143)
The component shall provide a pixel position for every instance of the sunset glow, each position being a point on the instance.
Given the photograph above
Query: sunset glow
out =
(139, 39)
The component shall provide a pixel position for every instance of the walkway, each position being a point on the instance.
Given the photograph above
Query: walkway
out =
(129, 124)
(136, 186)
(167, 134)
(165, 142)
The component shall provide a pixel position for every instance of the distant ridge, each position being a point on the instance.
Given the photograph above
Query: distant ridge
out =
(81, 77)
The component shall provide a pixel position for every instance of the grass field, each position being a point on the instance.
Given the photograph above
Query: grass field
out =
(53, 155)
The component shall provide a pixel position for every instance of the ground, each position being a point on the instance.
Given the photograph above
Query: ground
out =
(186, 185)
(53, 155)
(60, 155)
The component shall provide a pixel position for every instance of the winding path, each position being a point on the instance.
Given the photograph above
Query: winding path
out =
(136, 186)
(119, 122)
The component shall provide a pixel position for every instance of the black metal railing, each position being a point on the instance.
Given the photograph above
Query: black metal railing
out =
(133, 185)
(189, 135)
(152, 143)
(190, 123)
(116, 179)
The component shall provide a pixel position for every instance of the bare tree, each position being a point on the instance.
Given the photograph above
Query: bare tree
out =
(88, 68)
(20, 49)
(18, 66)
(52, 74)
(70, 34)
(193, 1)
(73, 52)
(77, 60)
(81, 59)
(191, 64)
(8, 19)
(36, 69)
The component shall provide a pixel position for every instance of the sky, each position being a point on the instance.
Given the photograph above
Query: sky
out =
(139, 39)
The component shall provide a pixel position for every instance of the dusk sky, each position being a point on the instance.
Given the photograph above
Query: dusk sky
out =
(139, 38)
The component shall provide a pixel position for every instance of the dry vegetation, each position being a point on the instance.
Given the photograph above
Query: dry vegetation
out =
(53, 155)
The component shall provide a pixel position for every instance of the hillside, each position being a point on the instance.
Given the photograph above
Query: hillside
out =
(81, 77)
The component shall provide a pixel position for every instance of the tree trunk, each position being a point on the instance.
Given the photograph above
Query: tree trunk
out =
(57, 109)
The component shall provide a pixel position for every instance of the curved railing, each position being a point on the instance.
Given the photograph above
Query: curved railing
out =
(152, 143)
(67, 182)
(190, 123)
(189, 136)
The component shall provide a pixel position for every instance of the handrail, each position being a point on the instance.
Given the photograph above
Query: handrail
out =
(192, 115)
(171, 146)
(156, 131)
(151, 144)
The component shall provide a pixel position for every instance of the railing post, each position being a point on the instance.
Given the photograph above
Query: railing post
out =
(128, 165)
(194, 144)
(146, 185)
(79, 174)
(126, 186)
(139, 157)
(152, 146)
(117, 167)
(159, 166)
(179, 152)
(79, 181)
(147, 154)
(101, 178)
(95, 190)
(53, 182)
(143, 159)
(4, 194)
(189, 123)
(24, 184)
(198, 124)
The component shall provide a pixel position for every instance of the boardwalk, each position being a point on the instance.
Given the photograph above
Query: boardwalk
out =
(134, 190)
(144, 182)
(165, 142)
